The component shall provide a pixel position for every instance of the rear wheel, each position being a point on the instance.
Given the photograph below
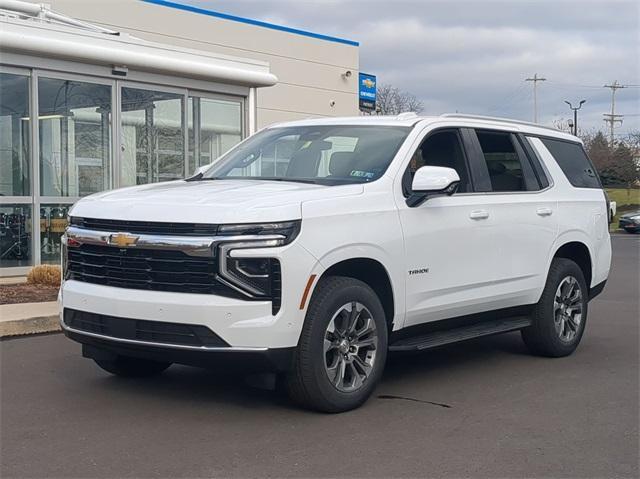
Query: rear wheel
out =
(560, 316)
(127, 366)
(342, 348)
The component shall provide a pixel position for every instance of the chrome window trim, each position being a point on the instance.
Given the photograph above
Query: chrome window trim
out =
(202, 246)
(234, 349)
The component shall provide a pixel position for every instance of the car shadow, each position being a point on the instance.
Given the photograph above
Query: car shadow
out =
(205, 387)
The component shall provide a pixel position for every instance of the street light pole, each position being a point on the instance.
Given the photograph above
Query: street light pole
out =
(575, 114)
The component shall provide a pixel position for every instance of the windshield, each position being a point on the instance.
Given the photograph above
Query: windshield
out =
(331, 155)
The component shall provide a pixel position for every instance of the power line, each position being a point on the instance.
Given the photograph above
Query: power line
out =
(535, 81)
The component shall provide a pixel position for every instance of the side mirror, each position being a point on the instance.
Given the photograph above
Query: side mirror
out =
(432, 181)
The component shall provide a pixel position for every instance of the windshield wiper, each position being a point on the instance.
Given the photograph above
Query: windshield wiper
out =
(294, 180)
(197, 177)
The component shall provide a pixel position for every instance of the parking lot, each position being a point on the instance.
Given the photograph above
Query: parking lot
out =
(484, 408)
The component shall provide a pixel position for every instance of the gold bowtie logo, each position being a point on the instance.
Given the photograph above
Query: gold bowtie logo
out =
(123, 240)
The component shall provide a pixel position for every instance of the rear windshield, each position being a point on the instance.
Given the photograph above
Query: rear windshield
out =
(574, 162)
(332, 155)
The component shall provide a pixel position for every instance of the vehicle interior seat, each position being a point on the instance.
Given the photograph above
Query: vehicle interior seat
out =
(340, 163)
(501, 178)
(304, 163)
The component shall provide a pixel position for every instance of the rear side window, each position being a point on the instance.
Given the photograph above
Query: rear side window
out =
(504, 162)
(574, 163)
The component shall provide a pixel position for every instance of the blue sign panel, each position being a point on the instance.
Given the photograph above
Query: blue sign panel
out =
(367, 91)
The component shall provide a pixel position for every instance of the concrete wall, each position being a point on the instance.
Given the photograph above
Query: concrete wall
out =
(309, 70)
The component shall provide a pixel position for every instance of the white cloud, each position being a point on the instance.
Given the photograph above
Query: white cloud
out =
(473, 56)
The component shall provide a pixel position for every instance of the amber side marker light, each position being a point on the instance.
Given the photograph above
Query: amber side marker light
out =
(307, 288)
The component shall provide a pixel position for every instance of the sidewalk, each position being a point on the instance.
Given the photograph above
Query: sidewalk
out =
(28, 318)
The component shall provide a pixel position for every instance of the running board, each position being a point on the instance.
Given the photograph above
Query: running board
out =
(440, 338)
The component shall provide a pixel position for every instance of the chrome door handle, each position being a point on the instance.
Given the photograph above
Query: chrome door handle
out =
(479, 214)
(544, 211)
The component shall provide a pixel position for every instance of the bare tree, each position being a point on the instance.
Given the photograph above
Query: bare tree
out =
(393, 101)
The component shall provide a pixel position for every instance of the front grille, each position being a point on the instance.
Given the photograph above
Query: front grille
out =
(142, 330)
(153, 270)
(146, 227)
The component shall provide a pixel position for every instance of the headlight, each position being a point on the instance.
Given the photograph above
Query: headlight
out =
(254, 277)
(288, 229)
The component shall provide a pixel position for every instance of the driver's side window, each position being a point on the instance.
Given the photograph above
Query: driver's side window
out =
(442, 148)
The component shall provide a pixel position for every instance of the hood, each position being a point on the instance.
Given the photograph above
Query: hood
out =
(215, 201)
(630, 214)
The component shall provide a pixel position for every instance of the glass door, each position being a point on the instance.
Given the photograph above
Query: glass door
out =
(152, 134)
(16, 201)
(75, 150)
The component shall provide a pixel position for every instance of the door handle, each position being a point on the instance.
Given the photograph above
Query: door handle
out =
(544, 211)
(479, 214)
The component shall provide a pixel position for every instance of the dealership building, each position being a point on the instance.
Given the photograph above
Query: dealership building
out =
(128, 92)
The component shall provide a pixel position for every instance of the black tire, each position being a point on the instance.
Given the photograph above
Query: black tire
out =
(130, 367)
(543, 337)
(308, 382)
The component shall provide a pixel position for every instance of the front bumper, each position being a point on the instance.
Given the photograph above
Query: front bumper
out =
(222, 359)
(240, 323)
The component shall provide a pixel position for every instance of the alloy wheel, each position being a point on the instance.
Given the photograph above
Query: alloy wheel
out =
(567, 308)
(350, 346)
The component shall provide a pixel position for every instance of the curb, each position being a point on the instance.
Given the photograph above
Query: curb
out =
(20, 327)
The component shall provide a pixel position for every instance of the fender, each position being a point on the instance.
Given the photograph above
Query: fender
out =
(365, 251)
(569, 236)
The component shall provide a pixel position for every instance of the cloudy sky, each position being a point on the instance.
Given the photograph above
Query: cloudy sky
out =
(473, 56)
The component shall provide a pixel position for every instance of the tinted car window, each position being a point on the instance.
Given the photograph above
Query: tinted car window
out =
(574, 163)
(503, 163)
(442, 148)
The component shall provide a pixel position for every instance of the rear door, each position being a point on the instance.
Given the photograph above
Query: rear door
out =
(524, 214)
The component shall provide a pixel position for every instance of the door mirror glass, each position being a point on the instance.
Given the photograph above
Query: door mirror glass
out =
(434, 179)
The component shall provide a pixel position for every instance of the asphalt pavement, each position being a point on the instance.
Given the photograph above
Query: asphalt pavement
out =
(484, 408)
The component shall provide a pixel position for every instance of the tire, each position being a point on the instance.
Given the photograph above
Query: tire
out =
(129, 367)
(557, 327)
(334, 380)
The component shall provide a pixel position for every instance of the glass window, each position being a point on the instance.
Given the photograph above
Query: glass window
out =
(15, 235)
(442, 148)
(14, 135)
(75, 137)
(503, 163)
(574, 162)
(214, 127)
(53, 221)
(152, 136)
(331, 155)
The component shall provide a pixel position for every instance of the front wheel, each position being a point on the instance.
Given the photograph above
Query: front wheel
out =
(342, 349)
(560, 316)
(127, 366)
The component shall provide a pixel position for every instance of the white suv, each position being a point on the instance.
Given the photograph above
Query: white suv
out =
(315, 247)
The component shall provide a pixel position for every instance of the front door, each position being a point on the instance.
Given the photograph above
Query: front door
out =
(449, 240)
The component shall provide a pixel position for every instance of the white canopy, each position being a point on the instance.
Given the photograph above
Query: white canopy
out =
(53, 35)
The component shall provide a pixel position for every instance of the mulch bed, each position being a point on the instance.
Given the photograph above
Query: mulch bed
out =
(27, 293)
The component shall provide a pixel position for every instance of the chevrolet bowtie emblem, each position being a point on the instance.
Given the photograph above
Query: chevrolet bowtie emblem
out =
(123, 240)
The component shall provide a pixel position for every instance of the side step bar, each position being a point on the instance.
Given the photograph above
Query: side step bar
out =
(440, 338)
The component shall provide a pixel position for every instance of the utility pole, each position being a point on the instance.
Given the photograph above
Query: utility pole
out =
(612, 118)
(575, 114)
(535, 79)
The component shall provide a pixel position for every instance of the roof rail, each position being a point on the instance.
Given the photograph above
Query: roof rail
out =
(406, 115)
(499, 120)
